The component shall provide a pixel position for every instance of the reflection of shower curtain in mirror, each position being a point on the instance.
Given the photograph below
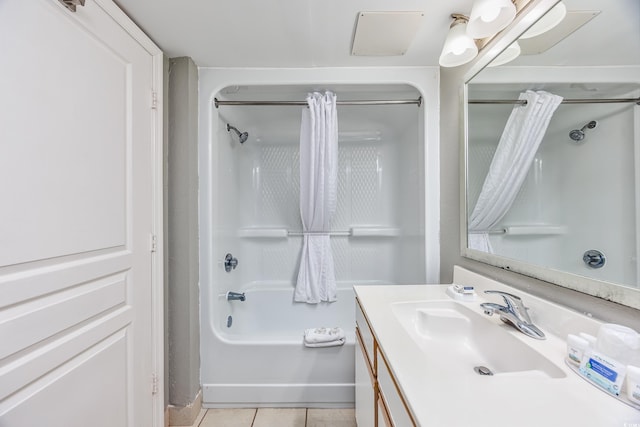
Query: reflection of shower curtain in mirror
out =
(318, 196)
(516, 150)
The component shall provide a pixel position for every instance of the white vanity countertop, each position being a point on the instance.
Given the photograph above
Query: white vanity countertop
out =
(436, 399)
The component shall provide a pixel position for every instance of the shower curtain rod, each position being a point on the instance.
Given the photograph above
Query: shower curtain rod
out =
(564, 101)
(417, 102)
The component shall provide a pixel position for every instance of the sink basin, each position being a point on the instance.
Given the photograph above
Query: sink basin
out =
(463, 339)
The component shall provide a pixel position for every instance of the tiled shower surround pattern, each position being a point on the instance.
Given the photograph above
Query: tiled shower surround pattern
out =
(368, 195)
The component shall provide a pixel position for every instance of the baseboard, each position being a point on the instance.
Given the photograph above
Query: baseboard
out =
(279, 395)
(166, 417)
(185, 415)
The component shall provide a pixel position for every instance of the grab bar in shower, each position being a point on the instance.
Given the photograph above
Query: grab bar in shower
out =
(494, 231)
(525, 230)
(282, 233)
(318, 233)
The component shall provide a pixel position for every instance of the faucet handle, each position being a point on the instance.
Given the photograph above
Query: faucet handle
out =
(514, 303)
(235, 296)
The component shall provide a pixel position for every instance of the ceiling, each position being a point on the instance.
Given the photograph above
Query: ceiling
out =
(283, 33)
(318, 33)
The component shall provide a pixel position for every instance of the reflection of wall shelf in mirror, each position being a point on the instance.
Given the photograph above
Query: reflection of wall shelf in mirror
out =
(283, 233)
(527, 230)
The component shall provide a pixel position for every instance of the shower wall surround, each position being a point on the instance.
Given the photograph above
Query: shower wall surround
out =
(385, 227)
(370, 196)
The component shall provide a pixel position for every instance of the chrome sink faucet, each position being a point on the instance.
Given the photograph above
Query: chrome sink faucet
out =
(514, 312)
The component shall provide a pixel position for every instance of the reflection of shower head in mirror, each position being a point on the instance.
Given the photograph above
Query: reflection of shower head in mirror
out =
(578, 134)
(242, 136)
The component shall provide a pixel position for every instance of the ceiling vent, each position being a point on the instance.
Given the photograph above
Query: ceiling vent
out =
(385, 33)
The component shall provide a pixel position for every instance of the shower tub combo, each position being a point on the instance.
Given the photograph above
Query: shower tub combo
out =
(252, 352)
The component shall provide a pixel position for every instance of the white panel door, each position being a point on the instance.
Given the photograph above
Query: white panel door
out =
(76, 211)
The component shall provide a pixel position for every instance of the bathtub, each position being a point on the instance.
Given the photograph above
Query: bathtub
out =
(263, 361)
(251, 352)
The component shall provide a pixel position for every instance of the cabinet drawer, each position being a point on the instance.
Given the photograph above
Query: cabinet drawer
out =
(366, 335)
(391, 396)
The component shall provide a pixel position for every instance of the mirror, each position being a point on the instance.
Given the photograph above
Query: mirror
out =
(556, 196)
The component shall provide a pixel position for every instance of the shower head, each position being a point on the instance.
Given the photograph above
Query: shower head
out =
(242, 136)
(578, 134)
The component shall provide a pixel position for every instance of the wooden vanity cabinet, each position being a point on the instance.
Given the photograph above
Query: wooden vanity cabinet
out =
(379, 402)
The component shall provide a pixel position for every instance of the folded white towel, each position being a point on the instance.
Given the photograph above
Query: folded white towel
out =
(323, 335)
(335, 343)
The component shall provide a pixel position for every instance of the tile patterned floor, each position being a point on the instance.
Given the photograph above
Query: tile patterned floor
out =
(275, 417)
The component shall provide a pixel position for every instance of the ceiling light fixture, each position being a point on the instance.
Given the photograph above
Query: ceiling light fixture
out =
(490, 16)
(459, 48)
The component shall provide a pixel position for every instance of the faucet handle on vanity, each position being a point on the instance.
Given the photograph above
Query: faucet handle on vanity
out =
(515, 312)
(514, 304)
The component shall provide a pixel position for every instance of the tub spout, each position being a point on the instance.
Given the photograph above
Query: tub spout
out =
(235, 296)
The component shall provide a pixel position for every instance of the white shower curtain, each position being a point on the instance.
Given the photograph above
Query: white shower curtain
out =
(516, 150)
(318, 195)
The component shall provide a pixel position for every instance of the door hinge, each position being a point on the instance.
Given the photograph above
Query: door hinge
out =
(154, 100)
(153, 243)
(154, 384)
